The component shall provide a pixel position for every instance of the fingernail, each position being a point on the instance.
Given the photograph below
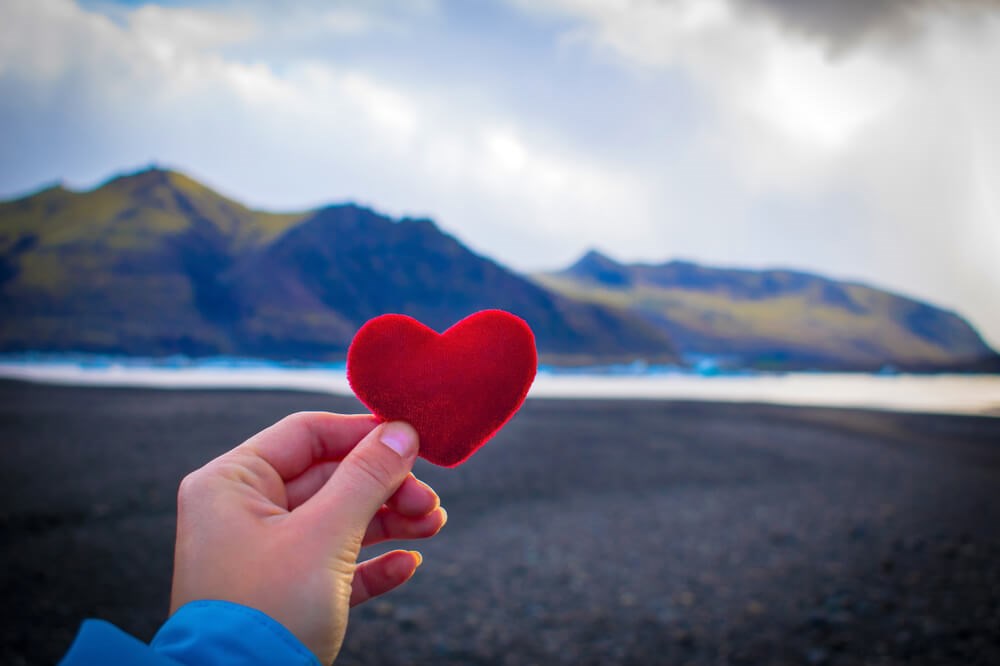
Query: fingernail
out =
(444, 514)
(399, 437)
(418, 556)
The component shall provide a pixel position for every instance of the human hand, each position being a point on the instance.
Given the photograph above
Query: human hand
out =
(278, 522)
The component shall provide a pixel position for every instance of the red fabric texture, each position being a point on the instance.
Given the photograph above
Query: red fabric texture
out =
(457, 388)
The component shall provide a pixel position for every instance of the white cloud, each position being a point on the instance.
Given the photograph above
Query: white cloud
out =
(346, 21)
(167, 33)
(768, 89)
(904, 132)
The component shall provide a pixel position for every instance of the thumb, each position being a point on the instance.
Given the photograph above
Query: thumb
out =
(369, 475)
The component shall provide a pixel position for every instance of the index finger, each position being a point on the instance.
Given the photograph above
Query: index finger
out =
(298, 441)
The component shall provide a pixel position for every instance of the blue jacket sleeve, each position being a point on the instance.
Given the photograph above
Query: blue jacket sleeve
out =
(201, 633)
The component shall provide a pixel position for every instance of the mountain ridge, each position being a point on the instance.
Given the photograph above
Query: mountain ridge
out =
(778, 317)
(153, 263)
(779, 268)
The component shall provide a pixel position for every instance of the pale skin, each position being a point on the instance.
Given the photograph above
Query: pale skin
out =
(278, 523)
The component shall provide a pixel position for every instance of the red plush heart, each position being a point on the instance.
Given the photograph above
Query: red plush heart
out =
(457, 388)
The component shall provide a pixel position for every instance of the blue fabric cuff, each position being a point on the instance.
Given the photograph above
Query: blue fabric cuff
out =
(210, 633)
(100, 642)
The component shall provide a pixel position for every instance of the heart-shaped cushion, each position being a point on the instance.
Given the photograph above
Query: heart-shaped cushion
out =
(457, 388)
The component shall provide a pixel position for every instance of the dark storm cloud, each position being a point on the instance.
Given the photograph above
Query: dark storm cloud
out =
(844, 23)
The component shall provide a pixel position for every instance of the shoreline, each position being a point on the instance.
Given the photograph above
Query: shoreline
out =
(934, 394)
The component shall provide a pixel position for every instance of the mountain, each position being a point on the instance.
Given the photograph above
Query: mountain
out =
(155, 263)
(778, 318)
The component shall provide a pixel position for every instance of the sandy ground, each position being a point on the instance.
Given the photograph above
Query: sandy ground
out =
(588, 532)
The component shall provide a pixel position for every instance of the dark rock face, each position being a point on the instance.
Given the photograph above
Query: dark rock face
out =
(358, 264)
(155, 263)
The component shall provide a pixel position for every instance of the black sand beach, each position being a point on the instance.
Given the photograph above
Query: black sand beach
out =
(588, 532)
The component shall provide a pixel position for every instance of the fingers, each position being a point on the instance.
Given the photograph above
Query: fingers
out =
(413, 498)
(382, 574)
(305, 485)
(296, 442)
(365, 479)
(387, 524)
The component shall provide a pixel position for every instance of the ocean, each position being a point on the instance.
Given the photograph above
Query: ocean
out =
(941, 393)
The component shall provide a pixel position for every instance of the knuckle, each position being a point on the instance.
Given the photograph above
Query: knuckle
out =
(189, 488)
(298, 418)
(372, 470)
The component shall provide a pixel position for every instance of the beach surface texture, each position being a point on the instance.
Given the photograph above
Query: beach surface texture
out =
(587, 532)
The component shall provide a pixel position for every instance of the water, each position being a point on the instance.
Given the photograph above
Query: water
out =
(952, 393)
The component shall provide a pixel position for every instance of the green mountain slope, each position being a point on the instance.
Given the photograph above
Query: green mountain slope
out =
(131, 266)
(778, 318)
(154, 263)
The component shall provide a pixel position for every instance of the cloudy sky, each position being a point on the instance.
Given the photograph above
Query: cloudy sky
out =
(857, 138)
